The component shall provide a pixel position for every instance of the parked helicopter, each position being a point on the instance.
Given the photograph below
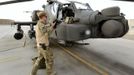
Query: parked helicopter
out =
(85, 22)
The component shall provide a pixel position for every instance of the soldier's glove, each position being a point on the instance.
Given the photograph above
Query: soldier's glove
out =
(43, 46)
(56, 23)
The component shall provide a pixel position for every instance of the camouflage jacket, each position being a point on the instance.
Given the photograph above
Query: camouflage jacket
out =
(43, 32)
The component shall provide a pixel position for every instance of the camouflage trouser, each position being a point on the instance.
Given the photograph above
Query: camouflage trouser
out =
(48, 55)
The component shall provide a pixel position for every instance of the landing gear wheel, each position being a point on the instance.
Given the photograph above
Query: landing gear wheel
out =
(31, 34)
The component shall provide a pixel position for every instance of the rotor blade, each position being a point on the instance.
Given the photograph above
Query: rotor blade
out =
(125, 0)
(13, 1)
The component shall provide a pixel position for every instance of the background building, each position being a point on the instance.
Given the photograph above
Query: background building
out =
(6, 21)
(131, 26)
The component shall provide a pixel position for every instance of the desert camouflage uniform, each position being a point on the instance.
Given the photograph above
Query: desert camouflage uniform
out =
(42, 37)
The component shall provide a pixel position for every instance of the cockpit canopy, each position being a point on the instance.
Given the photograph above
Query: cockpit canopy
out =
(82, 5)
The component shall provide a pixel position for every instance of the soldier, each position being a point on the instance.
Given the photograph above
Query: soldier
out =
(43, 30)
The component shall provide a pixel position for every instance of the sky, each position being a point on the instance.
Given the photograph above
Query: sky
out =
(17, 11)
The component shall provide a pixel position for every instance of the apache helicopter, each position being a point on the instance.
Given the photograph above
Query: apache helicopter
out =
(86, 23)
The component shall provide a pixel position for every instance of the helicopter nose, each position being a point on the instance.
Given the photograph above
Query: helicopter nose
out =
(112, 28)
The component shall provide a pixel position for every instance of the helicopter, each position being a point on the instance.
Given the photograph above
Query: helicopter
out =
(77, 21)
